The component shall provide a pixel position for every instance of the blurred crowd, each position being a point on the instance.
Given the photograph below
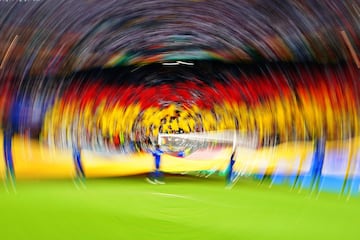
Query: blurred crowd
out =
(56, 37)
(296, 103)
(44, 44)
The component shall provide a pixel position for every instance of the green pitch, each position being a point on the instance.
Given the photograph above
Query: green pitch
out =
(184, 208)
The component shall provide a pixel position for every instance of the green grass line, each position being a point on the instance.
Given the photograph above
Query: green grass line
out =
(185, 207)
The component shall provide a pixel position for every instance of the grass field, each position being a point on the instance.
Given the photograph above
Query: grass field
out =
(184, 208)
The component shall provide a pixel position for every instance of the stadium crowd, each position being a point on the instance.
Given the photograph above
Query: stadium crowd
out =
(287, 105)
